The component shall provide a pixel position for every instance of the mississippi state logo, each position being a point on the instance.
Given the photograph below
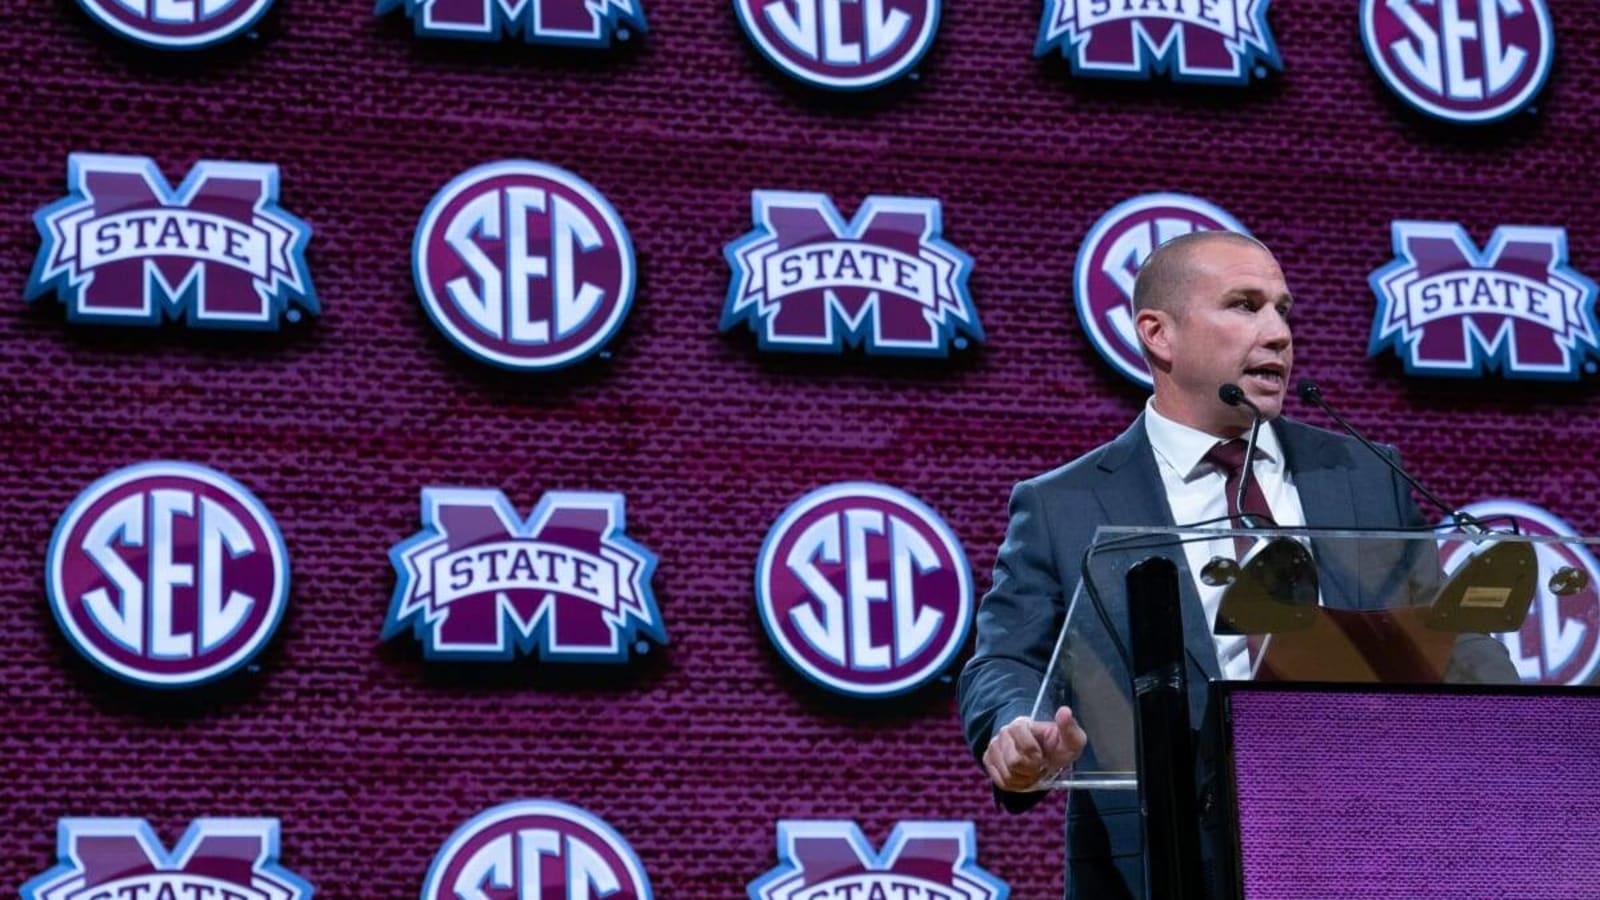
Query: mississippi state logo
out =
(1516, 307)
(1559, 642)
(167, 574)
(806, 281)
(176, 24)
(537, 848)
(480, 583)
(122, 248)
(1110, 258)
(575, 23)
(1208, 41)
(221, 859)
(523, 265)
(1468, 61)
(864, 589)
(848, 45)
(921, 861)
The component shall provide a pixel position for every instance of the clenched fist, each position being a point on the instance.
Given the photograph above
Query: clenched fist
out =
(1024, 752)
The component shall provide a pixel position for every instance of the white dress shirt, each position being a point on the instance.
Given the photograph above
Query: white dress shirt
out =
(1195, 491)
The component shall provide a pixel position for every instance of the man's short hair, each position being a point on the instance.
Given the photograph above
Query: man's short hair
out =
(1162, 279)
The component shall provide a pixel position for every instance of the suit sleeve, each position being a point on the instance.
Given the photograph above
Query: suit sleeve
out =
(1421, 561)
(1410, 514)
(1477, 658)
(1017, 625)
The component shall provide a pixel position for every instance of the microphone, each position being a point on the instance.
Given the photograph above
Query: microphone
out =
(1312, 394)
(1492, 591)
(1233, 395)
(1273, 588)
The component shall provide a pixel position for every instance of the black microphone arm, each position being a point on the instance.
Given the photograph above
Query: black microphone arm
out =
(1233, 395)
(1310, 393)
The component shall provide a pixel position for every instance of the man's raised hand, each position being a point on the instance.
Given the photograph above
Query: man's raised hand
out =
(1024, 751)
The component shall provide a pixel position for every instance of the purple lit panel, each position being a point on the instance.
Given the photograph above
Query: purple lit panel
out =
(1412, 796)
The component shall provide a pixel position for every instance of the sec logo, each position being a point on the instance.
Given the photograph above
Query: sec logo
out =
(538, 849)
(864, 589)
(523, 265)
(849, 45)
(167, 574)
(1559, 642)
(1110, 258)
(1468, 61)
(176, 24)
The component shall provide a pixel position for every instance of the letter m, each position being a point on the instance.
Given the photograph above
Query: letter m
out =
(96, 852)
(499, 622)
(581, 23)
(140, 274)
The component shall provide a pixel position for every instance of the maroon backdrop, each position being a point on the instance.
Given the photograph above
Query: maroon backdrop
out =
(370, 758)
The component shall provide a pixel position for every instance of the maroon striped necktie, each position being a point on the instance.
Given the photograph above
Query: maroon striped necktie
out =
(1229, 457)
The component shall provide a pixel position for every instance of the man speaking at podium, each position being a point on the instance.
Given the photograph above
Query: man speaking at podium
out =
(1210, 308)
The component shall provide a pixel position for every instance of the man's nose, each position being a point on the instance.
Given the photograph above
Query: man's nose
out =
(1275, 332)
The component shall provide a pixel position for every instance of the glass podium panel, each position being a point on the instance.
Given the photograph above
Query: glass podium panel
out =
(1295, 605)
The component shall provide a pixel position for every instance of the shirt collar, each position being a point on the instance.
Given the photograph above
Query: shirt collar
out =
(1184, 448)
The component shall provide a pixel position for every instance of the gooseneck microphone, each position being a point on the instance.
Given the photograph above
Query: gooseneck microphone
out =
(1505, 570)
(1312, 394)
(1233, 395)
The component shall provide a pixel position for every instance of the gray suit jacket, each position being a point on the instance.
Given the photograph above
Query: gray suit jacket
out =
(1053, 519)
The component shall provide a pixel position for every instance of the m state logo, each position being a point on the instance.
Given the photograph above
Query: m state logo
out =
(1559, 642)
(540, 849)
(864, 590)
(1469, 61)
(123, 249)
(806, 281)
(831, 860)
(479, 583)
(573, 23)
(1109, 260)
(1447, 309)
(1207, 41)
(122, 859)
(167, 574)
(849, 45)
(523, 265)
(176, 24)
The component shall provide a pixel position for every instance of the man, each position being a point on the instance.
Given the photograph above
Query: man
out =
(1210, 308)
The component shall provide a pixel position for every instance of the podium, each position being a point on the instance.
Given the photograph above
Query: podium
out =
(1314, 713)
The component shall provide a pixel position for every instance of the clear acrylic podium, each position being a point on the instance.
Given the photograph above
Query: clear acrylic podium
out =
(1163, 620)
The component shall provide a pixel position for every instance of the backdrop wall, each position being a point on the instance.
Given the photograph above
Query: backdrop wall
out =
(371, 757)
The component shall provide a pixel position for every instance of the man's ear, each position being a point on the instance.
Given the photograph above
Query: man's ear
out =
(1154, 327)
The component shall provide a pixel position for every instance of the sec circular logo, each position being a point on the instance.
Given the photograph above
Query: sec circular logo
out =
(167, 574)
(536, 848)
(1469, 61)
(523, 265)
(864, 589)
(849, 45)
(176, 24)
(1110, 258)
(1559, 642)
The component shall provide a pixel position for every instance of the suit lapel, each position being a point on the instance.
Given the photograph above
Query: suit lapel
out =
(1321, 470)
(1130, 493)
